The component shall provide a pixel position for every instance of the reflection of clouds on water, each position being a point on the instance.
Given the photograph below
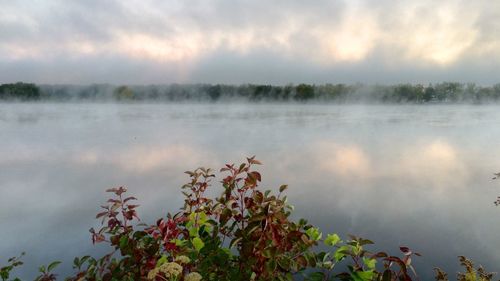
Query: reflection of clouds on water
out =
(141, 159)
(89, 157)
(133, 158)
(345, 161)
(436, 163)
(22, 153)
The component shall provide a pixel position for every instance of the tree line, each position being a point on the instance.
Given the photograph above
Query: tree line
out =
(445, 92)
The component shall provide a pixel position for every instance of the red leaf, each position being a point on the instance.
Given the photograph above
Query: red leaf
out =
(252, 160)
(256, 175)
(100, 214)
(120, 190)
(405, 250)
(129, 198)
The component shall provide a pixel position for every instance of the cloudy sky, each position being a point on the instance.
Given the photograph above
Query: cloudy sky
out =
(256, 41)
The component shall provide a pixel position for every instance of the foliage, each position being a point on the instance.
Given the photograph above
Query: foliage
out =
(243, 234)
(470, 274)
(123, 93)
(304, 92)
(445, 92)
(46, 272)
(19, 91)
(11, 264)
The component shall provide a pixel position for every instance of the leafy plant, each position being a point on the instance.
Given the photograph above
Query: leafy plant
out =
(12, 263)
(46, 272)
(470, 274)
(242, 234)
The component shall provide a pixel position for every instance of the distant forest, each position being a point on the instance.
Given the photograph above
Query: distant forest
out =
(445, 92)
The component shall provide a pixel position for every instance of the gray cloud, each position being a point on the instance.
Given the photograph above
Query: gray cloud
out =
(248, 41)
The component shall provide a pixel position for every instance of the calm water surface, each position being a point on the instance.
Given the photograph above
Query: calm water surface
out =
(400, 175)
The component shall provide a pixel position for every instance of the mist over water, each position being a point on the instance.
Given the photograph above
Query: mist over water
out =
(411, 175)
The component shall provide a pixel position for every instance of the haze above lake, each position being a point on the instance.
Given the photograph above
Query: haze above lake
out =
(413, 175)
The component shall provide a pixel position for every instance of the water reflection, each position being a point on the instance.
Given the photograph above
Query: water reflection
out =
(412, 175)
(142, 159)
(343, 161)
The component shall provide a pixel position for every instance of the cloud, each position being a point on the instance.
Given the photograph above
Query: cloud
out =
(183, 40)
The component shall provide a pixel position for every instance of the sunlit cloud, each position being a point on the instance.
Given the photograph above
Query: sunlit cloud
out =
(143, 46)
(438, 33)
(324, 37)
(353, 39)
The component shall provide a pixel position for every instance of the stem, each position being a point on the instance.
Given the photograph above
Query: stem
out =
(242, 210)
(123, 213)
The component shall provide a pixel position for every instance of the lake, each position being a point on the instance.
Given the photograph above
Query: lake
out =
(413, 175)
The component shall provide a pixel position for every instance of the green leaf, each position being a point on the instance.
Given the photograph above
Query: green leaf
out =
(314, 233)
(341, 253)
(316, 276)
(53, 265)
(356, 249)
(259, 217)
(193, 231)
(123, 242)
(202, 218)
(283, 187)
(370, 263)
(271, 265)
(42, 269)
(284, 263)
(362, 275)
(332, 239)
(226, 251)
(161, 261)
(267, 253)
(84, 259)
(311, 259)
(178, 242)
(198, 243)
(363, 242)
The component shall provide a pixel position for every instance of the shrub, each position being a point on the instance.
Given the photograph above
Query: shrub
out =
(243, 234)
